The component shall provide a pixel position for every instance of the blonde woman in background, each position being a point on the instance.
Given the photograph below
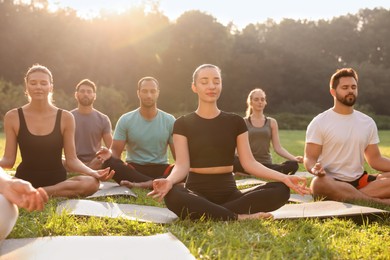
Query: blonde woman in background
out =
(264, 131)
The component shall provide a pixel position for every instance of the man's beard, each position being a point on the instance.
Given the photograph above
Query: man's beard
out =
(86, 102)
(348, 100)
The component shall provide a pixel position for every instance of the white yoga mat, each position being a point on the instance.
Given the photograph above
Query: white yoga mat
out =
(304, 174)
(161, 247)
(300, 198)
(115, 210)
(249, 181)
(323, 209)
(112, 189)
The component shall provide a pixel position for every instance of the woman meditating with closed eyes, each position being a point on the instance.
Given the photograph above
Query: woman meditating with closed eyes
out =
(205, 142)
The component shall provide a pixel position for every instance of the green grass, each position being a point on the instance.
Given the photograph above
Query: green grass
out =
(251, 239)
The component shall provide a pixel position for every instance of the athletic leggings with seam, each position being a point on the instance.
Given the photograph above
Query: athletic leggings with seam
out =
(216, 197)
(136, 172)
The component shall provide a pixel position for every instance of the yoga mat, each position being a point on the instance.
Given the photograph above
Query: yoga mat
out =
(300, 199)
(304, 174)
(112, 189)
(161, 247)
(249, 181)
(115, 210)
(323, 209)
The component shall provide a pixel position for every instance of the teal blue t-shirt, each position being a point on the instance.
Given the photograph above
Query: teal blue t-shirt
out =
(146, 141)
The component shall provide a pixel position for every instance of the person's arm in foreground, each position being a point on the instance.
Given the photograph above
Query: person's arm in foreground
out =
(22, 193)
(72, 162)
(182, 166)
(255, 168)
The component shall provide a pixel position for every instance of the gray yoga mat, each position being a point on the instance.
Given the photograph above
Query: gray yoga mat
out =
(323, 209)
(112, 189)
(115, 210)
(161, 247)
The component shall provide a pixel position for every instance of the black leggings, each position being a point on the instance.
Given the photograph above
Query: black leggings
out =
(137, 172)
(287, 167)
(216, 197)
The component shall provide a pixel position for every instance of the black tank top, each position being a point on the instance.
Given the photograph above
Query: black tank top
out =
(41, 154)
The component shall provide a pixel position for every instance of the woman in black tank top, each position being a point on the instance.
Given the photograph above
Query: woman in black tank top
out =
(42, 132)
(205, 142)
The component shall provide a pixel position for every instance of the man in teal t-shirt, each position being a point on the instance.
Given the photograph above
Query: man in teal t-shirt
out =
(146, 132)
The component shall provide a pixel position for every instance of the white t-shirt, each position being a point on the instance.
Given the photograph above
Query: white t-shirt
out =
(344, 139)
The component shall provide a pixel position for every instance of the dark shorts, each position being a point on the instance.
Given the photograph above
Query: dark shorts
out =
(362, 181)
(152, 170)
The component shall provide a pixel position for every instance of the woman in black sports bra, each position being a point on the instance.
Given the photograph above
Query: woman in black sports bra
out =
(42, 131)
(205, 142)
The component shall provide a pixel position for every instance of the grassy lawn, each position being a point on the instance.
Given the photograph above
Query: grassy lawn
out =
(251, 239)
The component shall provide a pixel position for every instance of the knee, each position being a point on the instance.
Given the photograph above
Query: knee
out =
(291, 167)
(284, 191)
(8, 216)
(175, 200)
(89, 186)
(294, 167)
(171, 197)
(281, 192)
(318, 186)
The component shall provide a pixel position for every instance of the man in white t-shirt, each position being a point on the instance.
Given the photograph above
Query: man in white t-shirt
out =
(337, 143)
(146, 132)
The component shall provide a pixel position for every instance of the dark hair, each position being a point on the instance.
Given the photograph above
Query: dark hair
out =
(86, 82)
(37, 67)
(203, 66)
(340, 73)
(148, 78)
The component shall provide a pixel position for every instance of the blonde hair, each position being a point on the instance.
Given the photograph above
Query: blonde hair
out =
(39, 68)
(248, 111)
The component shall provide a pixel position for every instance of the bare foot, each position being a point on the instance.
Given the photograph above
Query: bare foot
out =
(142, 185)
(259, 215)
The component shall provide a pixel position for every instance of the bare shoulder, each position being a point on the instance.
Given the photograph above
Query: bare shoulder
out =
(273, 121)
(12, 115)
(67, 115)
(67, 118)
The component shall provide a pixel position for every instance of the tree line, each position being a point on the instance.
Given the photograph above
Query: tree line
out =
(291, 60)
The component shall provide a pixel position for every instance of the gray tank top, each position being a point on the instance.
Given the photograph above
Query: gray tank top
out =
(260, 140)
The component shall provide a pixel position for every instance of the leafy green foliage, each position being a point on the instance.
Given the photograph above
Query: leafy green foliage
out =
(291, 60)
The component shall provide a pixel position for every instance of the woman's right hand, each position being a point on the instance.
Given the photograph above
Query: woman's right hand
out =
(160, 188)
